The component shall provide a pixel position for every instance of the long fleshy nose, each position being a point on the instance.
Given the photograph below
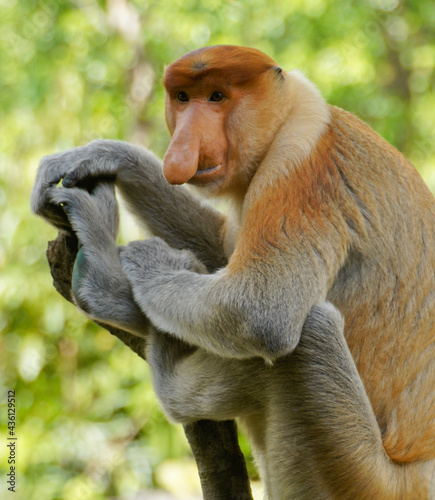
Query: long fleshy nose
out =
(180, 163)
(181, 159)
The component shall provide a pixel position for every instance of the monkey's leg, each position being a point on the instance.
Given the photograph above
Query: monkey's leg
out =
(323, 427)
(193, 384)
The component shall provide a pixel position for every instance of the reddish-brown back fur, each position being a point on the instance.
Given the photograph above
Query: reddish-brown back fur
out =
(359, 195)
(389, 302)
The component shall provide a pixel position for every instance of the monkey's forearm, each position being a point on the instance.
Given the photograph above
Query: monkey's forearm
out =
(228, 315)
(99, 286)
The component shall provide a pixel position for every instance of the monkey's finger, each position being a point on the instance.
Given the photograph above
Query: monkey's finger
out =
(136, 261)
(77, 204)
(52, 213)
(88, 170)
(155, 255)
(67, 198)
(147, 252)
(79, 172)
(50, 171)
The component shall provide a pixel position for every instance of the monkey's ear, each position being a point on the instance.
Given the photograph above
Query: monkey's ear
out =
(278, 71)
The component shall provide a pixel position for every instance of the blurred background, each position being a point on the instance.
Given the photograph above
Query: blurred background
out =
(89, 426)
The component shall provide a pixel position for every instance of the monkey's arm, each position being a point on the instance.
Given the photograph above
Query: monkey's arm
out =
(170, 212)
(258, 312)
(100, 288)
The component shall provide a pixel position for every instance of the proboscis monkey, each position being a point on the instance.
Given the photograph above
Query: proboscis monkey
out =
(327, 213)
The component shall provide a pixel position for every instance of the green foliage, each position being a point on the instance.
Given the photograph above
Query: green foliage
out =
(88, 423)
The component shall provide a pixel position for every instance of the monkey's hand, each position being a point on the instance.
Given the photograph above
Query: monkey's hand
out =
(84, 167)
(152, 264)
(152, 257)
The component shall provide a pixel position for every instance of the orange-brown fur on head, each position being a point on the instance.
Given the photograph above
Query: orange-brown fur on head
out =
(226, 65)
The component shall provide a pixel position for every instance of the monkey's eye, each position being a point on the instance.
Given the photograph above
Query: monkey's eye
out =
(182, 97)
(217, 97)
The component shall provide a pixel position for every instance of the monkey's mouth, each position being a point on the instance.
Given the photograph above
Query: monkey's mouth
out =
(207, 170)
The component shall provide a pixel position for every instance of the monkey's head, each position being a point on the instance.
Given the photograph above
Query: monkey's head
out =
(223, 107)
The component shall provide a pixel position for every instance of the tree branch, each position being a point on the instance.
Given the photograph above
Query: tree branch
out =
(221, 465)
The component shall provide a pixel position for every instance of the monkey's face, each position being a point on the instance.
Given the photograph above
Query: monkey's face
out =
(209, 96)
(199, 147)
